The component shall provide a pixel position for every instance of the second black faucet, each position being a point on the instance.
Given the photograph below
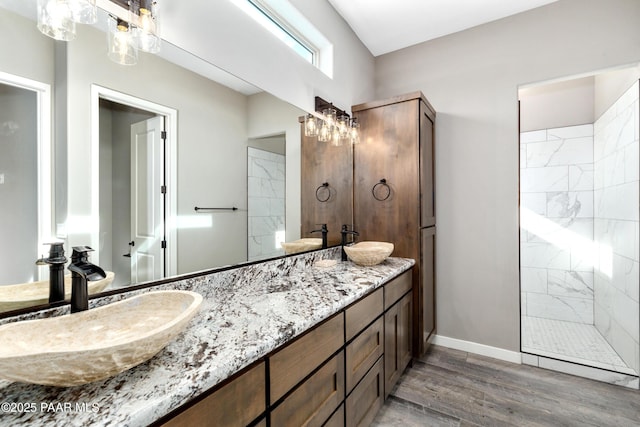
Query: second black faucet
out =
(344, 232)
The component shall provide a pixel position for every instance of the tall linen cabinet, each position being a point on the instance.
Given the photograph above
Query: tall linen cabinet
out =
(394, 193)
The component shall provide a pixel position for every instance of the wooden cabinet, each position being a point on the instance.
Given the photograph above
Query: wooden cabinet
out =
(394, 190)
(333, 375)
(337, 419)
(396, 289)
(427, 278)
(363, 351)
(313, 402)
(288, 366)
(360, 314)
(397, 341)
(322, 162)
(367, 398)
(237, 403)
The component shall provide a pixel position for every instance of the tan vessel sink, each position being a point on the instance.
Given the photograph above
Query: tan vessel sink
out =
(13, 297)
(94, 344)
(301, 245)
(369, 253)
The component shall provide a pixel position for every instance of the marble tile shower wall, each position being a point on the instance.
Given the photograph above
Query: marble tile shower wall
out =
(266, 203)
(556, 179)
(616, 160)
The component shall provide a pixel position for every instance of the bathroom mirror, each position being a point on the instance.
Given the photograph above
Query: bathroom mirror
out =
(211, 119)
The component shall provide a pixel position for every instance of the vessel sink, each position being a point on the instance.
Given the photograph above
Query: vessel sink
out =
(94, 344)
(13, 297)
(369, 253)
(301, 245)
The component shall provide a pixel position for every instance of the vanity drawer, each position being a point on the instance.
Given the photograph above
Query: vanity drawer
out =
(396, 288)
(367, 398)
(363, 352)
(237, 403)
(314, 400)
(293, 363)
(359, 315)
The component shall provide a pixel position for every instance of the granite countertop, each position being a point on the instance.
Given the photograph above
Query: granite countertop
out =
(247, 312)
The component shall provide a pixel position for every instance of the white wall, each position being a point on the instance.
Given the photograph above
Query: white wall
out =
(230, 39)
(554, 105)
(472, 79)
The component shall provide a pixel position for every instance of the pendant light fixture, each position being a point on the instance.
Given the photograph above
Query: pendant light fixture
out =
(84, 11)
(136, 28)
(122, 44)
(55, 19)
(335, 126)
(354, 131)
(147, 29)
(310, 126)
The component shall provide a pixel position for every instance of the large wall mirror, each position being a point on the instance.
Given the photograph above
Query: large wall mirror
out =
(101, 128)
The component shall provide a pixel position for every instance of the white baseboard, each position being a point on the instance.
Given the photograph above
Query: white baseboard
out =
(481, 349)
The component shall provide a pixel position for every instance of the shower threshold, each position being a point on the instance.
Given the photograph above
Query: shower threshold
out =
(570, 342)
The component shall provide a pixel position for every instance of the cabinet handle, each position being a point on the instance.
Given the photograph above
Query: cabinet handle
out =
(382, 184)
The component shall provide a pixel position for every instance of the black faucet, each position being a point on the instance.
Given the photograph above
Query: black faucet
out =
(81, 271)
(324, 232)
(56, 262)
(344, 233)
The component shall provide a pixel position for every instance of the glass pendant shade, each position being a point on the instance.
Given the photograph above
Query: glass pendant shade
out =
(84, 11)
(122, 45)
(343, 127)
(55, 19)
(147, 31)
(354, 131)
(324, 134)
(329, 116)
(310, 126)
(336, 139)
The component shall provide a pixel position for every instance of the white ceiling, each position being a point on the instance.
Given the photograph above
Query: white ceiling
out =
(388, 25)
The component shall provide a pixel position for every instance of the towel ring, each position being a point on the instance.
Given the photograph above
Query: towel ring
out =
(382, 183)
(318, 191)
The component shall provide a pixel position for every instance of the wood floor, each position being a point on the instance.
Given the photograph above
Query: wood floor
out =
(454, 388)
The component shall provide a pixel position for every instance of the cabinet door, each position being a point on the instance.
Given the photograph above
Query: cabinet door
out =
(389, 150)
(235, 404)
(427, 169)
(427, 280)
(397, 341)
(322, 162)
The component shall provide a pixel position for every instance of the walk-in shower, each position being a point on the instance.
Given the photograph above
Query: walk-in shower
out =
(579, 226)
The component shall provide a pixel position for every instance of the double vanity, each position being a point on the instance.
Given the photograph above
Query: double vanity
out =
(304, 338)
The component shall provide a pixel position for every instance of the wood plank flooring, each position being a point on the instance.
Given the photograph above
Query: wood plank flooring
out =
(453, 388)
